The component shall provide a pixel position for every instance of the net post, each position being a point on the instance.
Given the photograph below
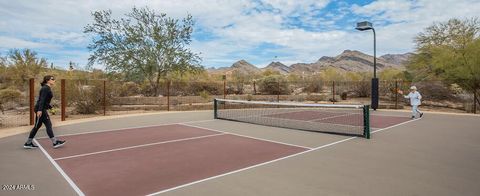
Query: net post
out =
(215, 108)
(366, 121)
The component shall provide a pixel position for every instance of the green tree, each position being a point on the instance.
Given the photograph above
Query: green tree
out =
(391, 74)
(449, 51)
(25, 64)
(332, 74)
(143, 45)
(3, 69)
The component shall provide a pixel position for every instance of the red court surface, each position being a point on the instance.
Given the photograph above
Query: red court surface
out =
(376, 121)
(148, 160)
(341, 118)
(305, 115)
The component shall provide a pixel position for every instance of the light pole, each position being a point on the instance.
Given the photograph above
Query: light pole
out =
(363, 26)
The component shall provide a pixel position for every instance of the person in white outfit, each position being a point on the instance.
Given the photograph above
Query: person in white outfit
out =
(415, 101)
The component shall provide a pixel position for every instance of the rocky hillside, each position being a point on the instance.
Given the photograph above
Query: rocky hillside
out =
(348, 60)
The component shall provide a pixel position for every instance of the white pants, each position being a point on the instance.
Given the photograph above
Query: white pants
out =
(415, 110)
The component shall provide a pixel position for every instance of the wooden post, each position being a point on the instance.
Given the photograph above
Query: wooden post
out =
(105, 97)
(168, 95)
(224, 86)
(333, 92)
(32, 100)
(254, 88)
(278, 91)
(63, 99)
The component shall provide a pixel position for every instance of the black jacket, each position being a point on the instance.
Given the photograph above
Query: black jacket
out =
(43, 102)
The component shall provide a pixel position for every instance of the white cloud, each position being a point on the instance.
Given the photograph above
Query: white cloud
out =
(12, 42)
(53, 26)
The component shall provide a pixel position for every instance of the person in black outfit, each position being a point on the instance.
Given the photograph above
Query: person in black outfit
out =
(42, 117)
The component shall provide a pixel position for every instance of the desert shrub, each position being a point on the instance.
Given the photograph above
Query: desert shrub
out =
(205, 95)
(213, 88)
(314, 86)
(235, 88)
(344, 95)
(273, 85)
(315, 98)
(129, 89)
(435, 91)
(8, 95)
(362, 88)
(87, 96)
(249, 97)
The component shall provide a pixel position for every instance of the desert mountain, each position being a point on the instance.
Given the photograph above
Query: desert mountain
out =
(348, 60)
(398, 59)
(277, 66)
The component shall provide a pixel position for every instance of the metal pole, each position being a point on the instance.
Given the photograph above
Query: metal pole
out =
(32, 100)
(374, 54)
(374, 79)
(63, 99)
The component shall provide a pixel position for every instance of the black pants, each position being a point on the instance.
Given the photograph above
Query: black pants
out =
(44, 119)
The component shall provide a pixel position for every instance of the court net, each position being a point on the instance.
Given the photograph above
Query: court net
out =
(327, 118)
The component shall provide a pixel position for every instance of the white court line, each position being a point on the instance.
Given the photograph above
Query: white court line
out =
(283, 143)
(138, 146)
(269, 162)
(395, 125)
(59, 169)
(320, 119)
(121, 129)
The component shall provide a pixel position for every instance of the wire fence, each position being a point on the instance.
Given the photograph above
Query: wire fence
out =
(74, 99)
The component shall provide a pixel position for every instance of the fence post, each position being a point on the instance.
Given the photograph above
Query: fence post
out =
(396, 94)
(224, 77)
(104, 97)
(278, 92)
(475, 98)
(333, 92)
(63, 99)
(32, 100)
(168, 95)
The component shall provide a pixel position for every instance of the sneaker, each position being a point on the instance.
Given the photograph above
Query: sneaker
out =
(413, 117)
(58, 143)
(421, 114)
(30, 146)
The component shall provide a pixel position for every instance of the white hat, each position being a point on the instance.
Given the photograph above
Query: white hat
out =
(413, 88)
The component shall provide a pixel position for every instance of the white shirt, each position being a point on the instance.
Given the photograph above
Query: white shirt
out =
(415, 98)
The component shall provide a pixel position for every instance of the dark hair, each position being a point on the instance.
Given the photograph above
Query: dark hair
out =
(46, 79)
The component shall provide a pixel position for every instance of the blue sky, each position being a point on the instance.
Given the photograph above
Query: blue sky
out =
(258, 31)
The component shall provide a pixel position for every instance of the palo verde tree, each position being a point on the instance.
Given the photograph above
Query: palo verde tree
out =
(24, 64)
(449, 51)
(143, 45)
